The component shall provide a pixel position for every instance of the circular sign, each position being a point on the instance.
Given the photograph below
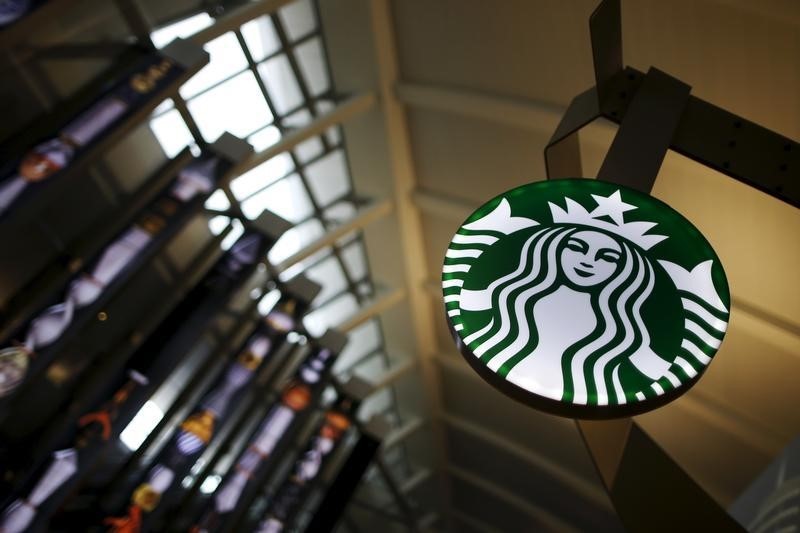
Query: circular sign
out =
(584, 298)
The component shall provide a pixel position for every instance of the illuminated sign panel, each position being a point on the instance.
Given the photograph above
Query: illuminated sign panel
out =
(584, 298)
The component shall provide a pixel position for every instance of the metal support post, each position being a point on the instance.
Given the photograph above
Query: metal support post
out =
(649, 490)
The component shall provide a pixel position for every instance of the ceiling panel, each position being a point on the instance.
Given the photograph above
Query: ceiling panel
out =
(467, 397)
(473, 159)
(536, 486)
(519, 48)
(738, 54)
(487, 507)
(717, 458)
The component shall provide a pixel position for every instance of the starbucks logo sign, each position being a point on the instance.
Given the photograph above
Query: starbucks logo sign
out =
(584, 298)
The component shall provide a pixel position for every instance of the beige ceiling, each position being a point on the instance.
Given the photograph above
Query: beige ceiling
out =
(471, 90)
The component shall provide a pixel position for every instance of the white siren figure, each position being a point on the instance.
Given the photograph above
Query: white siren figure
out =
(570, 312)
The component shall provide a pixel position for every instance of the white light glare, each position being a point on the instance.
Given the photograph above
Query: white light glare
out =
(141, 426)
(210, 484)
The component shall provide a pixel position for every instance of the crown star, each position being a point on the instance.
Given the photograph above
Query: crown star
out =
(611, 205)
(614, 207)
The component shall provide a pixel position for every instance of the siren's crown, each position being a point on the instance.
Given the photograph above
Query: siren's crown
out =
(613, 207)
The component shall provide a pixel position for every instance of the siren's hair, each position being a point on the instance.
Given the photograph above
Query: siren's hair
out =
(591, 365)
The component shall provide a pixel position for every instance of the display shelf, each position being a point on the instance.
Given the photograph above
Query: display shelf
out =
(44, 285)
(262, 402)
(89, 313)
(192, 314)
(99, 384)
(256, 397)
(289, 445)
(160, 220)
(186, 57)
(69, 105)
(215, 379)
(286, 500)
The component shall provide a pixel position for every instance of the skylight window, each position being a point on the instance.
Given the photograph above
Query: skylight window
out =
(309, 149)
(286, 198)
(330, 276)
(294, 240)
(298, 18)
(261, 38)
(262, 176)
(171, 132)
(283, 87)
(264, 138)
(311, 59)
(274, 64)
(328, 178)
(184, 28)
(235, 106)
(319, 320)
(225, 59)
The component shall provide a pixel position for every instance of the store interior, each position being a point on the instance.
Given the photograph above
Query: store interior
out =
(372, 129)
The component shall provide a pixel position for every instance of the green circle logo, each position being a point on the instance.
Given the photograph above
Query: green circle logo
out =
(584, 298)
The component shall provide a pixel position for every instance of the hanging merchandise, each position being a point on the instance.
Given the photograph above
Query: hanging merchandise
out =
(96, 428)
(43, 162)
(292, 492)
(198, 429)
(36, 342)
(300, 393)
(585, 298)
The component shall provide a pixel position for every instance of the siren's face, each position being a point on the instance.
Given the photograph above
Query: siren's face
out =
(590, 258)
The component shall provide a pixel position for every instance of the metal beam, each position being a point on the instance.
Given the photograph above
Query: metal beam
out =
(543, 517)
(233, 20)
(399, 496)
(136, 20)
(409, 223)
(364, 218)
(392, 374)
(474, 523)
(377, 307)
(417, 479)
(697, 404)
(605, 27)
(526, 113)
(443, 206)
(634, 159)
(371, 507)
(519, 112)
(403, 432)
(348, 109)
(591, 493)
(621, 451)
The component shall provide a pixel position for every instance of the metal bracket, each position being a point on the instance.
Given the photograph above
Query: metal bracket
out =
(650, 492)
(562, 156)
(705, 133)
(643, 139)
(605, 28)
